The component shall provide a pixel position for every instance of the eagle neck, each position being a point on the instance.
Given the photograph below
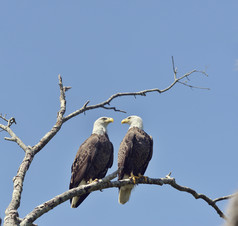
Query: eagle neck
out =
(138, 125)
(99, 130)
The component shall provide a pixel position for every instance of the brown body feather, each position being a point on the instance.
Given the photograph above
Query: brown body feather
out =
(92, 161)
(134, 154)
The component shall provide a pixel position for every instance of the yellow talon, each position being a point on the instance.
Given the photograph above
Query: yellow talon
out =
(145, 178)
(91, 181)
(133, 177)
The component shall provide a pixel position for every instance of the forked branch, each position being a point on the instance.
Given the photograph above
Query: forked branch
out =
(107, 102)
(9, 121)
(11, 212)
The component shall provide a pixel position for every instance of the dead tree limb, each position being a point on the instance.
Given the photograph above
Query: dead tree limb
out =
(107, 183)
(11, 213)
(107, 102)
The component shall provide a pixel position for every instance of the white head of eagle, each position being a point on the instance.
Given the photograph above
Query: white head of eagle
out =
(94, 157)
(133, 121)
(100, 125)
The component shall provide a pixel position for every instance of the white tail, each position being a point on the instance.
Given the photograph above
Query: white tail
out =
(125, 193)
(76, 198)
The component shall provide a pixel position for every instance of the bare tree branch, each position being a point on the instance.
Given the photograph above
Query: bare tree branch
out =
(66, 88)
(140, 93)
(104, 184)
(9, 121)
(11, 212)
(174, 69)
(3, 117)
(11, 217)
(20, 220)
(13, 137)
(113, 108)
(10, 139)
(60, 120)
(195, 195)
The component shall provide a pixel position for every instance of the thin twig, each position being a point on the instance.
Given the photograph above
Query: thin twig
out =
(85, 105)
(191, 86)
(113, 108)
(66, 88)
(3, 117)
(224, 198)
(10, 139)
(13, 137)
(196, 195)
(60, 120)
(9, 121)
(174, 69)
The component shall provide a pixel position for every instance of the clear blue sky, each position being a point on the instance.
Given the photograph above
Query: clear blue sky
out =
(104, 47)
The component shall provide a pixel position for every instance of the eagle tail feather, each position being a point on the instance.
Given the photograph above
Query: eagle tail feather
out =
(125, 193)
(77, 200)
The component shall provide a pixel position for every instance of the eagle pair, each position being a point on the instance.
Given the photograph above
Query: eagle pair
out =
(95, 156)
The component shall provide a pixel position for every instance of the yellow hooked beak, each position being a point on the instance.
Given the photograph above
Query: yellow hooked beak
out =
(126, 120)
(110, 120)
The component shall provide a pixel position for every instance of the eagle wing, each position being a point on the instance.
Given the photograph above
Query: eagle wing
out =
(102, 159)
(83, 159)
(92, 161)
(135, 152)
(149, 156)
(125, 154)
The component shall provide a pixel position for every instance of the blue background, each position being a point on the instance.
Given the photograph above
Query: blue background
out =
(104, 47)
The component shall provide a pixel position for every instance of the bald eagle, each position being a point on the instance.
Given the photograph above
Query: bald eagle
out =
(93, 159)
(134, 154)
